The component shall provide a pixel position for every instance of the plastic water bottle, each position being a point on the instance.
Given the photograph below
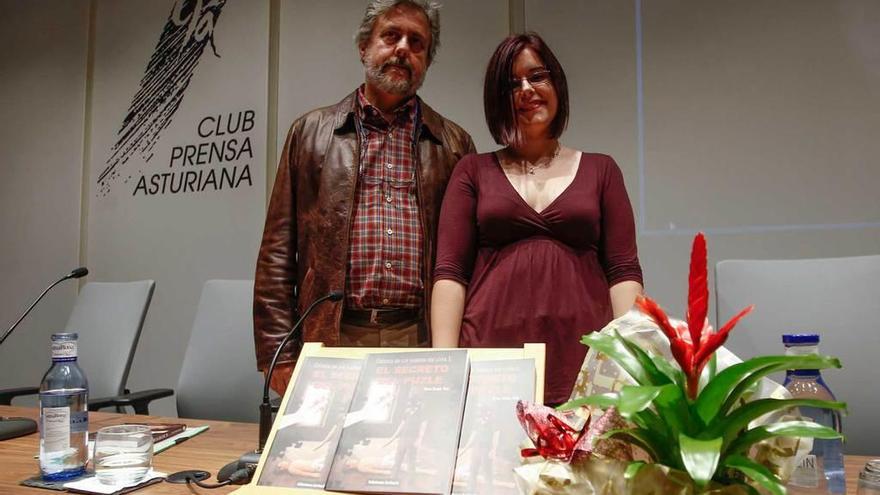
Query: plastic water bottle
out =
(821, 472)
(64, 415)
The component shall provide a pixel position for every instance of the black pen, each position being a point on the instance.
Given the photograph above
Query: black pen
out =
(180, 440)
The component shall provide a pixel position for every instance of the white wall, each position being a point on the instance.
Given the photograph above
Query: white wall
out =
(42, 98)
(181, 243)
(754, 121)
(179, 239)
(330, 68)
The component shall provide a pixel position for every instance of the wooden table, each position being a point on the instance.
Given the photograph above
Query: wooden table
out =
(211, 450)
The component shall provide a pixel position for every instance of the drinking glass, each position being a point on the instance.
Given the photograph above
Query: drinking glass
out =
(869, 479)
(123, 454)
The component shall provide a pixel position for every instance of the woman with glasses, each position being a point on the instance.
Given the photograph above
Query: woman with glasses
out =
(536, 241)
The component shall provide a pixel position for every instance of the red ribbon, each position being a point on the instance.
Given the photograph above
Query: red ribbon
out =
(552, 436)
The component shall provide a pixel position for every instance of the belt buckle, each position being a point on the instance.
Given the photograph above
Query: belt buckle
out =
(374, 316)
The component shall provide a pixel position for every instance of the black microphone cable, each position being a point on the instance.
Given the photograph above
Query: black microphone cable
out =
(265, 407)
(195, 477)
(240, 475)
(250, 459)
(76, 273)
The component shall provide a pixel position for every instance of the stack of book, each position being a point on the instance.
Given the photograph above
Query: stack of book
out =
(426, 422)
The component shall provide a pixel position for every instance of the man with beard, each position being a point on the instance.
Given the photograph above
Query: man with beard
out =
(356, 201)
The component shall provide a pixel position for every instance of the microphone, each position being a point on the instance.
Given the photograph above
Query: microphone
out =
(16, 427)
(77, 273)
(250, 460)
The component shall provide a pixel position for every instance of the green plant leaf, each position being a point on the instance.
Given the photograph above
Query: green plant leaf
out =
(649, 420)
(672, 406)
(599, 400)
(650, 366)
(800, 362)
(663, 436)
(635, 399)
(652, 434)
(665, 367)
(784, 429)
(643, 439)
(720, 394)
(700, 457)
(630, 400)
(755, 471)
(612, 346)
(731, 426)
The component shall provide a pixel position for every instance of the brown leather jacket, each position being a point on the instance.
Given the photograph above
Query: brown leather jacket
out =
(304, 253)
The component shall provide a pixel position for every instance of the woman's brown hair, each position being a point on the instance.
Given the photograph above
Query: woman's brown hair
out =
(498, 93)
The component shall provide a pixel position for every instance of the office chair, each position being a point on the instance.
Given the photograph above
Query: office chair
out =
(219, 377)
(833, 297)
(109, 317)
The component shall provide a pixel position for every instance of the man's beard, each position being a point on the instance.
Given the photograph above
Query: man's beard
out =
(376, 75)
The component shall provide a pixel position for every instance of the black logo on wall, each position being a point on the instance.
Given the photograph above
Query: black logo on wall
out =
(226, 144)
(187, 32)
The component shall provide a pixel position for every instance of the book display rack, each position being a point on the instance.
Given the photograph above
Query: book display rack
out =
(399, 420)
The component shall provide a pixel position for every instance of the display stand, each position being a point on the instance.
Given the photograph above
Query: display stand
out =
(533, 351)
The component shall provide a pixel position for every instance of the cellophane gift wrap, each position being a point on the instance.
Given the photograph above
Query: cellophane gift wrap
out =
(569, 457)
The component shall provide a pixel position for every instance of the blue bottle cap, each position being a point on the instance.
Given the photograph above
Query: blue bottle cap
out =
(800, 339)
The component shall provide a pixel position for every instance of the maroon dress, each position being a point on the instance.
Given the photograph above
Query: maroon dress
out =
(537, 276)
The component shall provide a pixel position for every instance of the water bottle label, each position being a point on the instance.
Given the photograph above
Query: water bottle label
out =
(56, 428)
(806, 474)
(79, 422)
(65, 349)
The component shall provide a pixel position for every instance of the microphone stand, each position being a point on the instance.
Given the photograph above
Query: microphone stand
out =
(11, 427)
(78, 273)
(250, 460)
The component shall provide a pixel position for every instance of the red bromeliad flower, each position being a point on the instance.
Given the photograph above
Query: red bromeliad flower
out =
(692, 344)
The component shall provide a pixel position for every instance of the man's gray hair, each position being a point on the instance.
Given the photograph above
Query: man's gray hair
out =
(377, 8)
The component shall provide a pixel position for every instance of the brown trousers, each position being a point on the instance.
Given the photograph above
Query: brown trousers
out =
(403, 334)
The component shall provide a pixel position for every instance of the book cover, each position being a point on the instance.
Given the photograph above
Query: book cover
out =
(160, 431)
(309, 429)
(178, 438)
(490, 433)
(401, 432)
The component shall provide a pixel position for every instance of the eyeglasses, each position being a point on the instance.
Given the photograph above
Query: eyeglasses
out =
(537, 78)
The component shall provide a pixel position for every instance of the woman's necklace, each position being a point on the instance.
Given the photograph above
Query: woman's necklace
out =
(542, 162)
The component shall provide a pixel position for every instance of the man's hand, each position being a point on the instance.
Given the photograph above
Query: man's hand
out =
(281, 378)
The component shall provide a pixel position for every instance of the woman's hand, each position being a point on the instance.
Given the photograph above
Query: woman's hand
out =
(623, 296)
(447, 308)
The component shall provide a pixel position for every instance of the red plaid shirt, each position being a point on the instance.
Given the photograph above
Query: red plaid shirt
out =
(385, 251)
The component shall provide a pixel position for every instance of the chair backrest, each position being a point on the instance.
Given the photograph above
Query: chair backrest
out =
(219, 377)
(109, 316)
(833, 297)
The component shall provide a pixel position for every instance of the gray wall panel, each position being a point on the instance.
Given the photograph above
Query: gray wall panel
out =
(42, 98)
(756, 123)
(319, 62)
(179, 239)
